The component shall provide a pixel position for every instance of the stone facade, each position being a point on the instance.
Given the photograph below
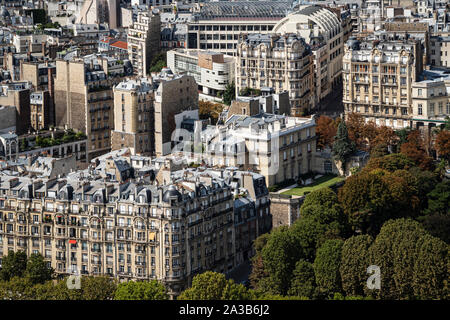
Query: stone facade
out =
(283, 63)
(284, 209)
(173, 96)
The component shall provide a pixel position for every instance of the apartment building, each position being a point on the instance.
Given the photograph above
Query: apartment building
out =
(415, 30)
(218, 24)
(176, 101)
(212, 71)
(134, 116)
(378, 77)
(144, 41)
(41, 111)
(135, 230)
(277, 147)
(440, 51)
(430, 100)
(319, 26)
(17, 94)
(283, 63)
(84, 98)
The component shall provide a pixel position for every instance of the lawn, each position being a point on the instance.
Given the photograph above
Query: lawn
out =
(325, 181)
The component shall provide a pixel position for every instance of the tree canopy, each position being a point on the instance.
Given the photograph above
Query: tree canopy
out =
(214, 286)
(141, 290)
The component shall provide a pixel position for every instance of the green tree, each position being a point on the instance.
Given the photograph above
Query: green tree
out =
(303, 282)
(37, 270)
(424, 181)
(214, 286)
(16, 288)
(438, 225)
(326, 267)
(394, 251)
(354, 263)
(60, 291)
(229, 94)
(279, 256)
(371, 198)
(158, 62)
(439, 199)
(343, 147)
(309, 234)
(431, 269)
(98, 288)
(13, 265)
(323, 206)
(141, 290)
(260, 242)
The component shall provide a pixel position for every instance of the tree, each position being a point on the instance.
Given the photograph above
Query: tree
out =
(424, 181)
(229, 94)
(414, 149)
(98, 288)
(214, 286)
(158, 62)
(354, 263)
(259, 278)
(431, 269)
(303, 282)
(141, 290)
(16, 288)
(249, 92)
(13, 265)
(371, 198)
(43, 291)
(37, 270)
(385, 136)
(309, 234)
(326, 267)
(323, 206)
(279, 257)
(438, 225)
(343, 147)
(391, 163)
(209, 110)
(439, 199)
(260, 242)
(355, 125)
(379, 151)
(326, 130)
(394, 251)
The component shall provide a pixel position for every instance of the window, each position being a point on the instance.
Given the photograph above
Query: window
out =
(419, 109)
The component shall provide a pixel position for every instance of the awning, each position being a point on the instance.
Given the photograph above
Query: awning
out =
(152, 236)
(72, 241)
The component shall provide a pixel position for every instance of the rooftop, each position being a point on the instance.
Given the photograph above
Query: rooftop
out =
(266, 10)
